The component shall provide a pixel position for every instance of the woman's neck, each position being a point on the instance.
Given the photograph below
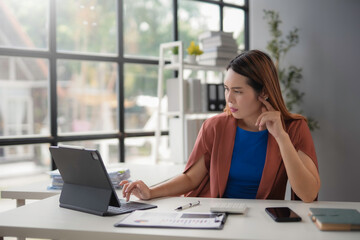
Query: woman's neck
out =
(248, 124)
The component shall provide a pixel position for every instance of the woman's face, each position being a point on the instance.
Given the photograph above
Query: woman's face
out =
(240, 97)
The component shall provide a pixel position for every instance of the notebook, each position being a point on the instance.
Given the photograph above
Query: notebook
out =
(335, 219)
(87, 186)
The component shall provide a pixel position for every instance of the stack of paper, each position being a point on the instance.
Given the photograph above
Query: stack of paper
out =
(219, 48)
(116, 176)
(56, 180)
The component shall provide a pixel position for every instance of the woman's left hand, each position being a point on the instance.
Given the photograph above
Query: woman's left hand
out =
(270, 119)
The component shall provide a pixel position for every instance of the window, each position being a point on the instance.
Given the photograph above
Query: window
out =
(146, 25)
(84, 72)
(87, 96)
(195, 18)
(140, 97)
(234, 21)
(86, 26)
(24, 24)
(24, 101)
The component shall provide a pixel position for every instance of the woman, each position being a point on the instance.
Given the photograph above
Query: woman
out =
(250, 150)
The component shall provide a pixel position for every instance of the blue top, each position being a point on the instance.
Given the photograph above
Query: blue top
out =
(247, 164)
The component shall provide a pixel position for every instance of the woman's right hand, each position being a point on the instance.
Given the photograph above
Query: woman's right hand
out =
(137, 188)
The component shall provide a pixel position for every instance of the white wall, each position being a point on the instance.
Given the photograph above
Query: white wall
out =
(329, 52)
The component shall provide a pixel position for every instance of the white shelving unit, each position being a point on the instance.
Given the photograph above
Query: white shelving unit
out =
(181, 114)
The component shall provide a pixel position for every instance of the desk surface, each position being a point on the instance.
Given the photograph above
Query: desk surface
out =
(150, 174)
(45, 219)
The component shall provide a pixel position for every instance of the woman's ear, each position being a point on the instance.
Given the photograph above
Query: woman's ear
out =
(264, 95)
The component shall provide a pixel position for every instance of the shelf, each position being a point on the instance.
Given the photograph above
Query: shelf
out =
(200, 115)
(171, 114)
(183, 125)
(191, 115)
(175, 66)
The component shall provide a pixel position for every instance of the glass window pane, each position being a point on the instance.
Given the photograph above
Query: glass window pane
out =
(140, 97)
(87, 26)
(195, 18)
(146, 25)
(24, 159)
(24, 87)
(23, 23)
(87, 96)
(108, 148)
(142, 149)
(231, 16)
(236, 2)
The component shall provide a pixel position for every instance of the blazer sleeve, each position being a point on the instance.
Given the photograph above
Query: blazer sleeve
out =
(202, 147)
(303, 141)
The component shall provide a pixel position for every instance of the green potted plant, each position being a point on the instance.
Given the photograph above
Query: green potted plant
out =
(193, 50)
(175, 54)
(289, 76)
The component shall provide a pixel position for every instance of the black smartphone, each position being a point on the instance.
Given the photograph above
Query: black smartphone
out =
(283, 214)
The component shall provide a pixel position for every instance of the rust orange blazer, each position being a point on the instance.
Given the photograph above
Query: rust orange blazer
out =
(215, 142)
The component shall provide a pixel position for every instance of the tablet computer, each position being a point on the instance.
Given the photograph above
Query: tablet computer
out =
(87, 186)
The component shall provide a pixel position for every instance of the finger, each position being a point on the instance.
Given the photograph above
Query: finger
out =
(266, 103)
(123, 182)
(125, 189)
(260, 118)
(134, 186)
(129, 187)
(128, 196)
(128, 193)
(262, 125)
(265, 117)
(268, 117)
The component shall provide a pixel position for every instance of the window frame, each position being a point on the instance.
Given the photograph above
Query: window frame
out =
(52, 55)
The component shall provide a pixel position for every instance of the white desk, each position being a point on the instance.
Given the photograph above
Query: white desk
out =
(150, 174)
(45, 219)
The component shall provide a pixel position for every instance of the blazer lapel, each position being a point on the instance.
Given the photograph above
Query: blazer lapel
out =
(224, 155)
(272, 165)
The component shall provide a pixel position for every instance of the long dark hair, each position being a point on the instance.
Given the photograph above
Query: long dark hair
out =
(262, 76)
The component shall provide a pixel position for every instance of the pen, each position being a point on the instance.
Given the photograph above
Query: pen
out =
(189, 205)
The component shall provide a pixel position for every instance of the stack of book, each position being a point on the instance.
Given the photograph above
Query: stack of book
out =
(335, 219)
(219, 48)
(116, 176)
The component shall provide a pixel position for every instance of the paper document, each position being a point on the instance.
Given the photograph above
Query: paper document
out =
(173, 220)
